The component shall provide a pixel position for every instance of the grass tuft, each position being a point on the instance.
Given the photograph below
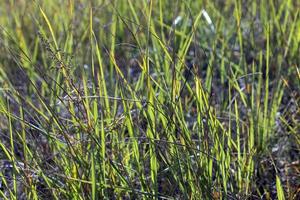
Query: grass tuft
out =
(123, 99)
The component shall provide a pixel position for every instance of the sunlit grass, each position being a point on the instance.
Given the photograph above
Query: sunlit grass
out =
(149, 99)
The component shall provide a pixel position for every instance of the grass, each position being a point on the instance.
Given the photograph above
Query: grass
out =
(123, 99)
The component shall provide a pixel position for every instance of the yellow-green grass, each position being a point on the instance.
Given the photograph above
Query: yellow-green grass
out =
(124, 99)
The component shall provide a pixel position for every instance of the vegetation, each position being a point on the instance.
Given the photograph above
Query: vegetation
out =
(124, 99)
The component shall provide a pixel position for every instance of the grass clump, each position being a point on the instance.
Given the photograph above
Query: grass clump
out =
(126, 99)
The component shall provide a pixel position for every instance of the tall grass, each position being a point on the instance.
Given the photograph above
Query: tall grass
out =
(126, 99)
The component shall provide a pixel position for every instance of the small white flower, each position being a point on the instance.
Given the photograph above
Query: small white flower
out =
(177, 20)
